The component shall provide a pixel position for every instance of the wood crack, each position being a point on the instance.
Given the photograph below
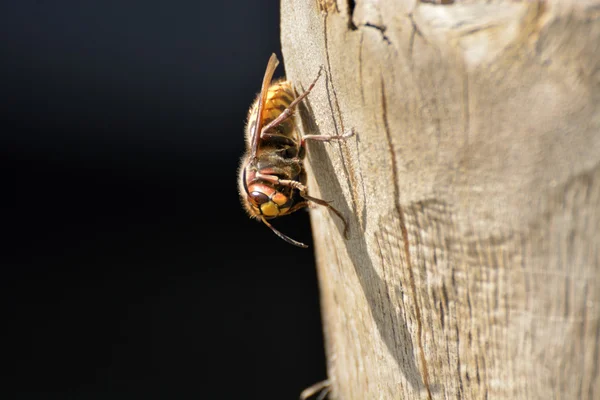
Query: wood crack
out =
(337, 109)
(404, 230)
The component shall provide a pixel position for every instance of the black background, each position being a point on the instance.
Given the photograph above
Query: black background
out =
(129, 269)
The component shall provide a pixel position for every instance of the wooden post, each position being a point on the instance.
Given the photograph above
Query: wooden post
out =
(472, 189)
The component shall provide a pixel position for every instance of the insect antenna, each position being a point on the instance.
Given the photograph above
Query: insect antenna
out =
(281, 235)
(244, 178)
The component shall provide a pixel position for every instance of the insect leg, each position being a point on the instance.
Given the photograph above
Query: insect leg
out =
(278, 138)
(325, 203)
(298, 206)
(297, 185)
(285, 114)
(327, 138)
(323, 387)
(276, 122)
(285, 182)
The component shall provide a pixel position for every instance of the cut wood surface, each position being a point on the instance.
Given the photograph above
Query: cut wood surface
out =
(472, 190)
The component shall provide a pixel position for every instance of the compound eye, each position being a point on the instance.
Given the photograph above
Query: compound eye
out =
(259, 198)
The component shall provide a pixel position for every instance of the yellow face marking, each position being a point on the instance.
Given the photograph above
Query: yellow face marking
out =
(269, 209)
(279, 199)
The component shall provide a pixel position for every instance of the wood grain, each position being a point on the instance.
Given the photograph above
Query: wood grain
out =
(472, 189)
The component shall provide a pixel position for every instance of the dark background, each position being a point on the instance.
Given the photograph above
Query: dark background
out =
(129, 269)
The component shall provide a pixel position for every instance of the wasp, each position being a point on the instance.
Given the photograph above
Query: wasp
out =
(272, 178)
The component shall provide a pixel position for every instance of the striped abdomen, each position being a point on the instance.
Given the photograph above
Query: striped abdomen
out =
(279, 96)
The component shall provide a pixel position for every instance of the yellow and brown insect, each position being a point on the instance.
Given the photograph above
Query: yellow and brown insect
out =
(272, 179)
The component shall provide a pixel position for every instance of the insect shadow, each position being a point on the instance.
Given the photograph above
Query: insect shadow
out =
(392, 327)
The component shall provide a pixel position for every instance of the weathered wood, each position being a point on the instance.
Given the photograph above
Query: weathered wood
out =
(472, 189)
